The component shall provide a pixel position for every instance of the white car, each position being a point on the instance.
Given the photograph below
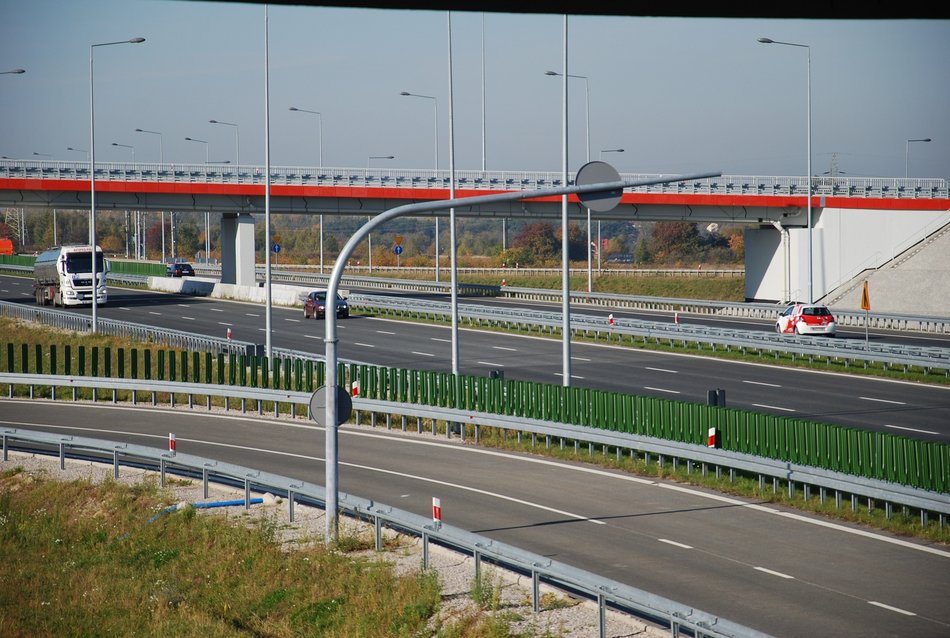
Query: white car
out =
(806, 319)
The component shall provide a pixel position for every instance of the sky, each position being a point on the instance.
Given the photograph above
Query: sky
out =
(679, 95)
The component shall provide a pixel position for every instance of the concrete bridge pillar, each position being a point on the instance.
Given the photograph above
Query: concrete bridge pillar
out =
(237, 249)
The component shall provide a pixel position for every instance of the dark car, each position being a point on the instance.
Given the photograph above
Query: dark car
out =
(316, 303)
(179, 270)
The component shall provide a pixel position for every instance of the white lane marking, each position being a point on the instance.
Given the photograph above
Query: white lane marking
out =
(898, 427)
(580, 359)
(768, 385)
(646, 387)
(473, 450)
(664, 540)
(152, 312)
(188, 318)
(216, 309)
(313, 336)
(561, 374)
(251, 314)
(504, 348)
(182, 305)
(882, 400)
(221, 323)
(385, 332)
(662, 370)
(365, 345)
(774, 573)
(489, 363)
(289, 319)
(890, 608)
(438, 339)
(772, 407)
(423, 354)
(124, 308)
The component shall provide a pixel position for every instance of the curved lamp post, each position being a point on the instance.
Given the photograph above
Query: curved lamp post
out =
(237, 139)
(369, 238)
(435, 102)
(161, 143)
(907, 151)
(92, 174)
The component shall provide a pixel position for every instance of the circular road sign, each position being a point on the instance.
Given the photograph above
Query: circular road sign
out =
(397, 249)
(318, 405)
(276, 248)
(598, 173)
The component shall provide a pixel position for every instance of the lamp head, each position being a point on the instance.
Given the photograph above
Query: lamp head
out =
(294, 108)
(766, 41)
(405, 93)
(136, 40)
(551, 73)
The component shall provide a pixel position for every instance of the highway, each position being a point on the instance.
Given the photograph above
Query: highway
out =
(910, 409)
(777, 571)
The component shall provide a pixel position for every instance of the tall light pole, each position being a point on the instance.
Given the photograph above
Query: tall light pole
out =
(92, 175)
(79, 150)
(320, 165)
(590, 279)
(319, 131)
(436, 105)
(237, 139)
(161, 143)
(907, 151)
(131, 148)
(811, 287)
(369, 238)
(600, 246)
(207, 215)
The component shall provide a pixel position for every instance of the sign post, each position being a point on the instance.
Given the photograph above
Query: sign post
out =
(866, 307)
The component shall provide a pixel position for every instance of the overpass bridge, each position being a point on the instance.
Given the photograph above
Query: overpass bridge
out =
(858, 224)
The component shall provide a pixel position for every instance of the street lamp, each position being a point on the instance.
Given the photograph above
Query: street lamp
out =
(237, 139)
(92, 175)
(132, 148)
(590, 279)
(369, 238)
(207, 215)
(319, 130)
(811, 289)
(436, 105)
(79, 150)
(907, 151)
(42, 154)
(161, 144)
(600, 245)
(13, 71)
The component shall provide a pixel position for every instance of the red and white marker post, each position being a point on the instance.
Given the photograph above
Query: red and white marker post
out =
(711, 438)
(436, 511)
(355, 388)
(172, 444)
(610, 319)
(229, 334)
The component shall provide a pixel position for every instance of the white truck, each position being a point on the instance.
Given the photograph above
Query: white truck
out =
(62, 276)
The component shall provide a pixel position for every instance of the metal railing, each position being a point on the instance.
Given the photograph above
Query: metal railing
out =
(752, 185)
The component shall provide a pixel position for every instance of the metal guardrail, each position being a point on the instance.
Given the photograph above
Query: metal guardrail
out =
(605, 592)
(803, 345)
(847, 187)
(778, 470)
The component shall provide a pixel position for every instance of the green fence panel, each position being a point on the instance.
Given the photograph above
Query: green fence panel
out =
(53, 367)
(208, 360)
(38, 357)
(147, 364)
(232, 368)
(264, 381)
(255, 373)
(220, 365)
(161, 365)
(184, 366)
(288, 366)
(10, 357)
(172, 366)
(25, 358)
(195, 367)
(299, 382)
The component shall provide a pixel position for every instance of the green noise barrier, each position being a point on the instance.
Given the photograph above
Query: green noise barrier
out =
(875, 455)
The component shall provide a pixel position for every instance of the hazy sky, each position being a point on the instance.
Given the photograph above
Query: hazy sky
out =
(680, 95)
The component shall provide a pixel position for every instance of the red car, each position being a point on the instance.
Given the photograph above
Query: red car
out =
(806, 319)
(315, 305)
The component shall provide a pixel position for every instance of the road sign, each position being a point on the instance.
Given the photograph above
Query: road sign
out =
(276, 248)
(276, 239)
(397, 249)
(318, 405)
(865, 298)
(598, 173)
(398, 239)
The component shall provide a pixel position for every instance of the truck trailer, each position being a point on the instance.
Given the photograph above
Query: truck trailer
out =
(62, 276)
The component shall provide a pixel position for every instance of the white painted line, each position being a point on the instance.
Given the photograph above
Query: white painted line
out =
(897, 427)
(423, 354)
(314, 336)
(489, 363)
(438, 339)
(664, 540)
(152, 312)
(221, 323)
(216, 309)
(188, 318)
(124, 308)
(774, 573)
(662, 370)
(250, 314)
(504, 348)
(573, 376)
(768, 385)
(773, 407)
(289, 319)
(646, 387)
(883, 400)
(580, 359)
(888, 607)
(385, 332)
(365, 345)
(182, 305)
